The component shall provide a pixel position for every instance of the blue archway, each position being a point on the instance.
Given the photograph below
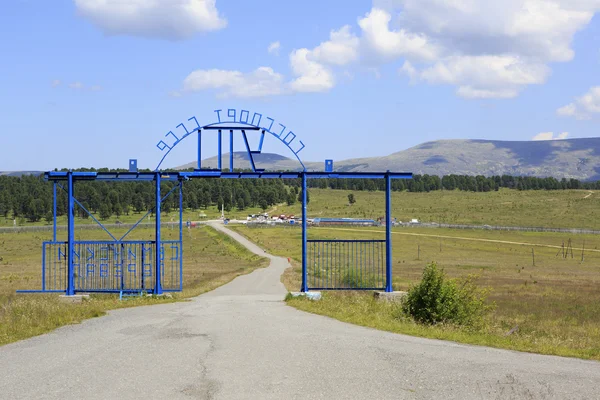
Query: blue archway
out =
(237, 121)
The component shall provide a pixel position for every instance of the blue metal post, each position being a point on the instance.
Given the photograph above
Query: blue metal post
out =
(54, 212)
(199, 149)
(157, 278)
(304, 235)
(388, 233)
(43, 267)
(231, 151)
(71, 235)
(219, 161)
(181, 235)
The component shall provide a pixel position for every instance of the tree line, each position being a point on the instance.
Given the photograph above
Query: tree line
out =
(479, 183)
(30, 197)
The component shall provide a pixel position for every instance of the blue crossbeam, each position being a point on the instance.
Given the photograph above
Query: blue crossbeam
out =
(179, 175)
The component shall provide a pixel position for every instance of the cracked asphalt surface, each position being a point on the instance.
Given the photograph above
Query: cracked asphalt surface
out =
(242, 342)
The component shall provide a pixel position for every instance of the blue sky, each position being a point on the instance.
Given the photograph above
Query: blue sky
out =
(96, 82)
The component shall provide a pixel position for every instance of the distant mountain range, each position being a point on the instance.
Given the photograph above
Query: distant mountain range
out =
(570, 158)
(19, 173)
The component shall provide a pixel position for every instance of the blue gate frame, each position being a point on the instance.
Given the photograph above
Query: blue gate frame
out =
(62, 270)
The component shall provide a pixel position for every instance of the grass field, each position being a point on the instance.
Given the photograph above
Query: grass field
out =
(554, 208)
(555, 304)
(211, 259)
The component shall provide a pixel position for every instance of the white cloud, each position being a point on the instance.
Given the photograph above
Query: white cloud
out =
(486, 50)
(164, 19)
(570, 110)
(541, 28)
(312, 76)
(76, 85)
(491, 49)
(497, 76)
(583, 107)
(388, 45)
(340, 49)
(261, 82)
(56, 82)
(274, 48)
(310, 66)
(550, 136)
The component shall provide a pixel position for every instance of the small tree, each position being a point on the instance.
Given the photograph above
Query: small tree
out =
(307, 196)
(241, 205)
(49, 217)
(351, 198)
(105, 211)
(263, 204)
(291, 199)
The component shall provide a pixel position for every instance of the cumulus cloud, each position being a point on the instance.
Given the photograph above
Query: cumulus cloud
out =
(311, 75)
(550, 136)
(340, 49)
(486, 50)
(388, 44)
(274, 48)
(490, 50)
(259, 83)
(311, 66)
(164, 19)
(540, 28)
(495, 76)
(583, 107)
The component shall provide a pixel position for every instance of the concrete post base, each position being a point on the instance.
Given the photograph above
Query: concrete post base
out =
(76, 298)
(309, 295)
(390, 296)
(164, 295)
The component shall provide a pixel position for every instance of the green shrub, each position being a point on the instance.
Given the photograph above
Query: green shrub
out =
(437, 299)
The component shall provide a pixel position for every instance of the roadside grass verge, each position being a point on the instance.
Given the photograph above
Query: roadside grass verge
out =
(211, 260)
(362, 309)
(552, 307)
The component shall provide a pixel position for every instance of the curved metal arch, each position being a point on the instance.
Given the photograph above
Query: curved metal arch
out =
(238, 125)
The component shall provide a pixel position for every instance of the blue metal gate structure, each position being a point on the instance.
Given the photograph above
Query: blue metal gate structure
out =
(156, 266)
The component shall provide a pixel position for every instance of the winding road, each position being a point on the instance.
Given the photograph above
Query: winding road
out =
(241, 341)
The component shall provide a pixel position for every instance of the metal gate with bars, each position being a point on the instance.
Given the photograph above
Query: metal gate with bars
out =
(111, 266)
(346, 264)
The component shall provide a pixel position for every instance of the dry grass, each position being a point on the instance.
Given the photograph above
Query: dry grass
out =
(211, 259)
(555, 304)
(553, 208)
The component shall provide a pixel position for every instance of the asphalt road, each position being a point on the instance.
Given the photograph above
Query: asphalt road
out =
(242, 342)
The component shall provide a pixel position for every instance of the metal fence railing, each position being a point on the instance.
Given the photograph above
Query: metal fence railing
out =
(346, 264)
(111, 266)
